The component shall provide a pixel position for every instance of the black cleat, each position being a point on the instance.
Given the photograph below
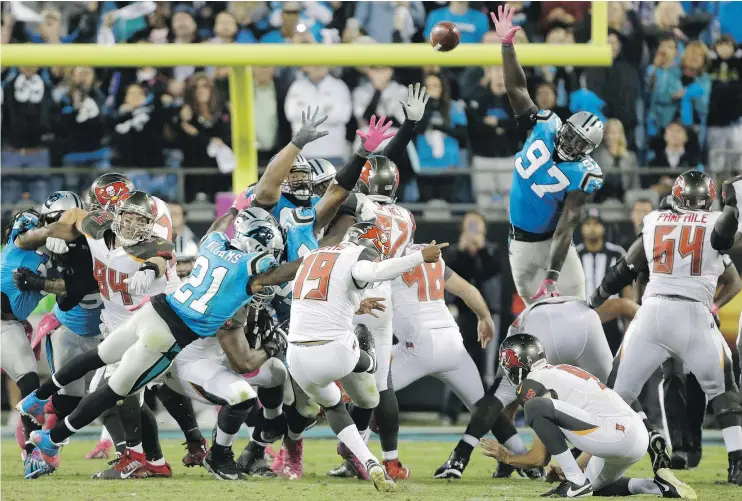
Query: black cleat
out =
(658, 451)
(503, 471)
(273, 429)
(532, 473)
(569, 489)
(735, 468)
(694, 458)
(252, 461)
(345, 470)
(220, 463)
(453, 468)
(679, 460)
(366, 343)
(671, 487)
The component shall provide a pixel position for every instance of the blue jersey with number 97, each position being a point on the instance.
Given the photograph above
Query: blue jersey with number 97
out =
(218, 285)
(540, 184)
(22, 302)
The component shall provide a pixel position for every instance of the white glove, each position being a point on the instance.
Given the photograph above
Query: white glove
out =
(417, 98)
(56, 245)
(140, 281)
(366, 209)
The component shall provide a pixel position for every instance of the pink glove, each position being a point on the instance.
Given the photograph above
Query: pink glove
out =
(243, 201)
(376, 133)
(714, 309)
(548, 289)
(145, 300)
(504, 23)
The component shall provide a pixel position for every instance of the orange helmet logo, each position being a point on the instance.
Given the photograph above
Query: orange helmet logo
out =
(378, 237)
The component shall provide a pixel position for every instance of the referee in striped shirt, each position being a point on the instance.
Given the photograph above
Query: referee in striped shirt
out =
(597, 256)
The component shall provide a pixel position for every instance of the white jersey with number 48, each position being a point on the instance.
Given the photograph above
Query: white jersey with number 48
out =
(681, 259)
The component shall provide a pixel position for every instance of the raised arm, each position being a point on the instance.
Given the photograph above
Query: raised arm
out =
(515, 77)
(268, 189)
(348, 176)
(725, 229)
(414, 109)
(68, 228)
(476, 303)
(730, 283)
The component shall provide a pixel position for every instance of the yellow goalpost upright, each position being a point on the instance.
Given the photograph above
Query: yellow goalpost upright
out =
(241, 56)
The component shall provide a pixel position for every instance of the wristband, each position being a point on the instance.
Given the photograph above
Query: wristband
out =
(552, 275)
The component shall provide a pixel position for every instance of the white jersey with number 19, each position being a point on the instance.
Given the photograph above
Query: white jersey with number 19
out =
(681, 259)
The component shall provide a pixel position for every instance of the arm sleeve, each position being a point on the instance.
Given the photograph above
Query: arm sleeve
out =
(400, 140)
(368, 271)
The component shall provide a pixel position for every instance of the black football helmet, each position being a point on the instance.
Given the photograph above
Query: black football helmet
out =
(370, 236)
(129, 231)
(518, 353)
(107, 191)
(693, 190)
(379, 179)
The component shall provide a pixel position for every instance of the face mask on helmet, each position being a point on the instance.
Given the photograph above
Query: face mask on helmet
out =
(134, 218)
(263, 298)
(256, 231)
(321, 188)
(57, 203)
(571, 144)
(299, 182)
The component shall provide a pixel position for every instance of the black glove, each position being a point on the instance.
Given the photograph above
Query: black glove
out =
(729, 191)
(276, 343)
(27, 280)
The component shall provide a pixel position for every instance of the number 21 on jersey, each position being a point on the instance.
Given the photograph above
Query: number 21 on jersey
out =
(537, 156)
(195, 285)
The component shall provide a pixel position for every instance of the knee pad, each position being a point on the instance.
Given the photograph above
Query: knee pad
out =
(277, 371)
(307, 409)
(728, 409)
(239, 392)
(539, 406)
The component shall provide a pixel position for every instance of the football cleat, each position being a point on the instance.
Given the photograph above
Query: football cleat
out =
(658, 451)
(679, 460)
(694, 458)
(278, 459)
(345, 470)
(366, 343)
(378, 476)
(125, 466)
(252, 461)
(49, 450)
(220, 463)
(33, 407)
(453, 468)
(396, 470)
(34, 465)
(102, 450)
(503, 471)
(735, 468)
(196, 452)
(345, 453)
(293, 459)
(671, 487)
(273, 429)
(569, 489)
(154, 471)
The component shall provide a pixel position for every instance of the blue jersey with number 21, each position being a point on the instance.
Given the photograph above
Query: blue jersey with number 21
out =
(21, 302)
(540, 184)
(217, 286)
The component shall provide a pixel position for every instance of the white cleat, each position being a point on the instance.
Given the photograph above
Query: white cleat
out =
(379, 477)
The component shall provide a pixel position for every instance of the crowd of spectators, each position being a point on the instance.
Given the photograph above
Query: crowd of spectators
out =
(671, 99)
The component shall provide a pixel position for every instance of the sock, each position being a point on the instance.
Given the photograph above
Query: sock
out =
(365, 435)
(27, 384)
(88, 411)
(732, 438)
(136, 448)
(389, 455)
(64, 404)
(254, 417)
(73, 370)
(618, 488)
(157, 462)
(361, 417)
(484, 416)
(112, 425)
(104, 435)
(515, 445)
(644, 486)
(272, 413)
(503, 429)
(294, 436)
(387, 420)
(296, 423)
(465, 446)
(231, 418)
(150, 435)
(350, 437)
(181, 409)
(130, 414)
(570, 467)
(223, 438)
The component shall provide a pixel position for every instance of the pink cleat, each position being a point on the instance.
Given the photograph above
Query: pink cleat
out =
(345, 453)
(278, 459)
(102, 450)
(293, 459)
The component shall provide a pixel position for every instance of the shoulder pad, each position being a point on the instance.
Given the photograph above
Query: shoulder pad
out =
(258, 263)
(300, 215)
(96, 224)
(156, 247)
(549, 117)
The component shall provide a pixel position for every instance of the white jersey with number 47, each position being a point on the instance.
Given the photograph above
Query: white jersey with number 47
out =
(681, 259)
(398, 224)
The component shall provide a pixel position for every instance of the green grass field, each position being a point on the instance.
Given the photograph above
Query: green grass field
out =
(72, 481)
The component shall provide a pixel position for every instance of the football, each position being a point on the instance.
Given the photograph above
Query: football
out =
(445, 36)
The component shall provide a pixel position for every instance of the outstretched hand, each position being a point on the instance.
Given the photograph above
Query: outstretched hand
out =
(308, 131)
(417, 98)
(504, 23)
(377, 133)
(432, 251)
(371, 304)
